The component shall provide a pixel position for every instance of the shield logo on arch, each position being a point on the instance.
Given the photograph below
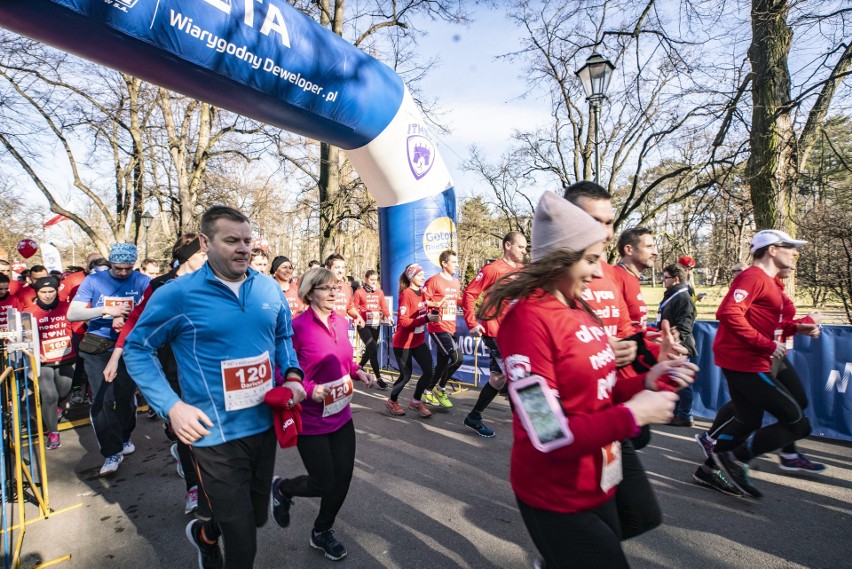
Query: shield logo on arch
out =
(421, 155)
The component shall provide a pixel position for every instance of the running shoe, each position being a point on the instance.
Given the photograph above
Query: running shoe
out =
(209, 554)
(279, 504)
(800, 464)
(53, 442)
(111, 465)
(128, 448)
(715, 479)
(420, 408)
(681, 422)
(77, 396)
(706, 443)
(174, 452)
(328, 544)
(151, 413)
(737, 473)
(190, 500)
(443, 398)
(394, 407)
(430, 398)
(381, 383)
(59, 413)
(478, 426)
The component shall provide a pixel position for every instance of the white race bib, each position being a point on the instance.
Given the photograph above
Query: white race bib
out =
(337, 396)
(56, 348)
(373, 318)
(124, 301)
(246, 381)
(611, 473)
(449, 311)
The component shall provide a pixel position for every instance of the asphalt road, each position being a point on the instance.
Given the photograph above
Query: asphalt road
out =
(432, 494)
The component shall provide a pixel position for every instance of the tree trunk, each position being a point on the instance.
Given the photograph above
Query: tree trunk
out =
(773, 160)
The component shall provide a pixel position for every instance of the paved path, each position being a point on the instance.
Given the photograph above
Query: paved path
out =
(432, 494)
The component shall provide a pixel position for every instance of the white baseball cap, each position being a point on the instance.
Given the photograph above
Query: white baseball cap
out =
(769, 237)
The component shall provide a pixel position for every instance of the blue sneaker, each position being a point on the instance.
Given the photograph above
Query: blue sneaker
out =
(328, 544)
(478, 426)
(800, 464)
(279, 504)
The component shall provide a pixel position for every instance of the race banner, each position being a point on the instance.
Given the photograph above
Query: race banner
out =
(824, 366)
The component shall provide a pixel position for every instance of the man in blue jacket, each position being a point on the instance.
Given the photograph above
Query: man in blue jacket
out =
(229, 328)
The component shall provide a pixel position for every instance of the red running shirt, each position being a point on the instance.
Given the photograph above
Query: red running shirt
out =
(487, 276)
(54, 332)
(343, 300)
(604, 296)
(371, 306)
(439, 288)
(631, 291)
(411, 323)
(750, 318)
(568, 348)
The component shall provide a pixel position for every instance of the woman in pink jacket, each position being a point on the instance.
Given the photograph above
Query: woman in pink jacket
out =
(327, 441)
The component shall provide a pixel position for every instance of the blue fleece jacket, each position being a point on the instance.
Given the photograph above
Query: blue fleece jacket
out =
(205, 324)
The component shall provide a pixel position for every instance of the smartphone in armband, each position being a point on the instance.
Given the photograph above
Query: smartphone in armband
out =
(540, 413)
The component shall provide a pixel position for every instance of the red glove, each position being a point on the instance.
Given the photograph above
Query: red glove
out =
(288, 421)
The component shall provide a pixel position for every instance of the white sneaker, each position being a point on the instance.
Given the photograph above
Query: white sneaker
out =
(128, 448)
(191, 500)
(111, 465)
(174, 451)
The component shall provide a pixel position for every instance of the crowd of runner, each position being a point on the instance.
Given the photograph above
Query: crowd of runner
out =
(235, 353)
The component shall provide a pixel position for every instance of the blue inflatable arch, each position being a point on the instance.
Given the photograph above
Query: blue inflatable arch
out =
(266, 60)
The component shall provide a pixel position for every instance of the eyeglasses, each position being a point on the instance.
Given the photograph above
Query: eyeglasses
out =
(329, 288)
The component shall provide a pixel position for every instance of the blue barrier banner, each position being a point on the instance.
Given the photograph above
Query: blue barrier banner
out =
(824, 366)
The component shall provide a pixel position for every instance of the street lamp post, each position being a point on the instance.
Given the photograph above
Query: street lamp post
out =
(147, 218)
(595, 76)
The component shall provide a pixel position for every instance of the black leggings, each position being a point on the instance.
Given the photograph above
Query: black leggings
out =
(790, 379)
(449, 358)
(593, 538)
(370, 336)
(403, 358)
(583, 540)
(753, 394)
(236, 477)
(329, 460)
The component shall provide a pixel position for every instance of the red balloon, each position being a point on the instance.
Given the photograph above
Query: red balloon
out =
(27, 248)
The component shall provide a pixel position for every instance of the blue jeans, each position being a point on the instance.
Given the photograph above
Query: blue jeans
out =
(683, 409)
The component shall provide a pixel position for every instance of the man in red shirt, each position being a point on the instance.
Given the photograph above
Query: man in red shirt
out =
(746, 347)
(343, 300)
(638, 251)
(514, 249)
(14, 284)
(444, 290)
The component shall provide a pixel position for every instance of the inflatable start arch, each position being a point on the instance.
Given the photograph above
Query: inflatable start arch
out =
(268, 61)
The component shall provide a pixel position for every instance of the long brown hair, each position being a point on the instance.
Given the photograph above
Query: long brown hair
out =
(522, 283)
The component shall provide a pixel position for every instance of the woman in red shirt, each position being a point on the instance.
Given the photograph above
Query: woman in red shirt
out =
(566, 495)
(369, 301)
(409, 340)
(57, 352)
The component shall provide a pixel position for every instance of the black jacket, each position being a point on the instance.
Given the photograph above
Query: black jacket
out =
(677, 307)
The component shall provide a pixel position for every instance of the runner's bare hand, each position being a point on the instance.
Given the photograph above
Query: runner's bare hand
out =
(625, 351)
(652, 407)
(189, 422)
